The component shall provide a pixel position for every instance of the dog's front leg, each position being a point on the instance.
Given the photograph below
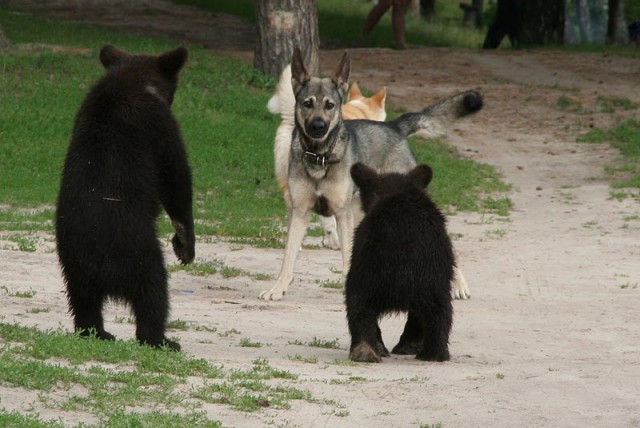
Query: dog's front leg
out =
(460, 286)
(344, 220)
(298, 223)
(330, 232)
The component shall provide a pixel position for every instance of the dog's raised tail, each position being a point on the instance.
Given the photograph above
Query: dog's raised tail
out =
(434, 120)
(283, 100)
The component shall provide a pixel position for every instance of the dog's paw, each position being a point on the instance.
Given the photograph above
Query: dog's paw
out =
(273, 294)
(459, 286)
(461, 294)
(364, 353)
(331, 241)
(461, 291)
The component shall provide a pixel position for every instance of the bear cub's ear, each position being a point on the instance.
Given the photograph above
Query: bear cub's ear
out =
(421, 175)
(171, 62)
(110, 56)
(363, 176)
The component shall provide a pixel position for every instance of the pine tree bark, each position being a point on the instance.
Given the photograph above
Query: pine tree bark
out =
(283, 25)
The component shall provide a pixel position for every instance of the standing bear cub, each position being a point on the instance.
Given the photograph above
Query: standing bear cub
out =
(126, 162)
(402, 261)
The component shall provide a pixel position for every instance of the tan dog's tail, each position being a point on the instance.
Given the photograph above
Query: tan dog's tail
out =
(283, 101)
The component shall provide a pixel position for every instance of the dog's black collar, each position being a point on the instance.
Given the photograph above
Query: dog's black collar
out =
(325, 159)
(321, 160)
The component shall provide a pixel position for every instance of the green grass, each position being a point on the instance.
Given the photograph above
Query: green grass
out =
(321, 343)
(327, 283)
(25, 242)
(625, 136)
(206, 268)
(610, 104)
(103, 378)
(220, 104)
(4, 291)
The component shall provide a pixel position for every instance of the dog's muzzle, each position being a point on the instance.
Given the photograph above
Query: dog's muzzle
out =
(317, 128)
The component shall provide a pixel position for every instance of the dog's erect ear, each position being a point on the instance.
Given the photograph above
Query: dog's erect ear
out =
(354, 92)
(341, 76)
(421, 175)
(363, 176)
(110, 56)
(299, 73)
(171, 62)
(380, 97)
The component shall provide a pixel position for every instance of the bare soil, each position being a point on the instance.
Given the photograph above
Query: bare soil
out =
(550, 336)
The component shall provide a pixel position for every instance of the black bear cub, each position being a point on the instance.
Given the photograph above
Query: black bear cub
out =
(402, 261)
(126, 162)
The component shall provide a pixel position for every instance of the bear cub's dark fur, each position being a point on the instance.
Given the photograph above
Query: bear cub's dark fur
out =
(126, 162)
(402, 261)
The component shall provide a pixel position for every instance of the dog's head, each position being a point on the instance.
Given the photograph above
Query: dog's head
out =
(360, 107)
(374, 186)
(318, 101)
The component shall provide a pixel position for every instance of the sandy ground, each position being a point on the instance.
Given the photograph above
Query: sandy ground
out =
(550, 336)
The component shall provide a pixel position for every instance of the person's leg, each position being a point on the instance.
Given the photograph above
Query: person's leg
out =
(375, 14)
(397, 17)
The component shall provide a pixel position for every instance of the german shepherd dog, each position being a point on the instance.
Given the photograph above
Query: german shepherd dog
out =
(324, 147)
(283, 102)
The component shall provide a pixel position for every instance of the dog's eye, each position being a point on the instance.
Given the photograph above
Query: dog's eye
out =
(329, 105)
(308, 103)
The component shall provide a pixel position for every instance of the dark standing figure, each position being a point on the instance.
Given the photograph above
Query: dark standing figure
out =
(634, 33)
(507, 22)
(398, 10)
(126, 161)
(402, 262)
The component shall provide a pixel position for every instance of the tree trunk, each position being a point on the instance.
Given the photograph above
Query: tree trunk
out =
(542, 22)
(615, 22)
(612, 28)
(584, 20)
(4, 40)
(283, 25)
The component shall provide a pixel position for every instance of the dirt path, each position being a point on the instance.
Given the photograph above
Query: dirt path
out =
(550, 336)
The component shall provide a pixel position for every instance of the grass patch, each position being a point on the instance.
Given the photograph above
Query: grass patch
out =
(25, 242)
(302, 359)
(104, 378)
(245, 342)
(461, 184)
(197, 268)
(569, 104)
(250, 390)
(38, 310)
(327, 283)
(178, 324)
(4, 290)
(220, 104)
(318, 343)
(625, 136)
(609, 104)
(206, 268)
